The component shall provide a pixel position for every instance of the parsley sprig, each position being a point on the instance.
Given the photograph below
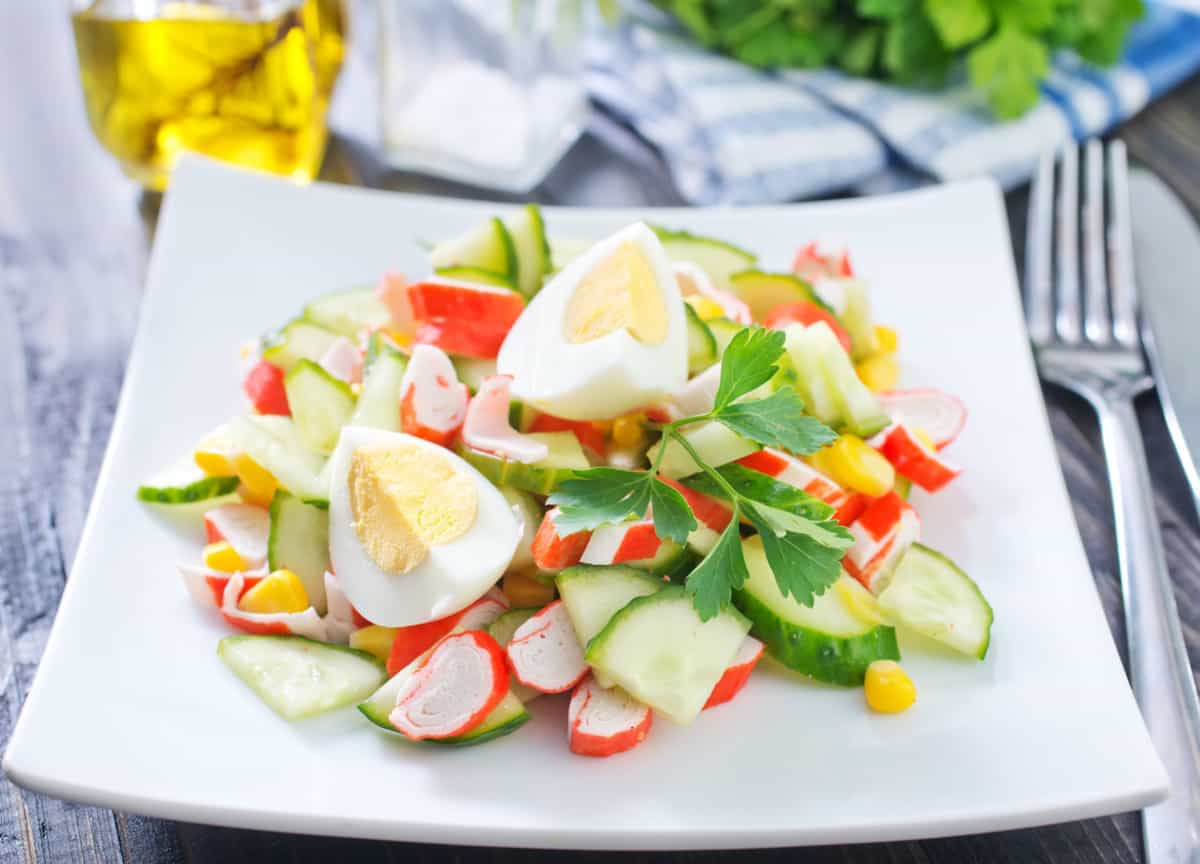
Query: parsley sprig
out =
(803, 545)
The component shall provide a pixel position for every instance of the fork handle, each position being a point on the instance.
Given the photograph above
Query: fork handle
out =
(1158, 662)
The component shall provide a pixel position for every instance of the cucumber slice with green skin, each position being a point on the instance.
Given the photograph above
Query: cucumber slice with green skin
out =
(299, 677)
(529, 513)
(723, 330)
(826, 641)
(295, 341)
(299, 541)
(856, 317)
(670, 559)
(702, 346)
(594, 593)
(659, 651)
(378, 405)
(804, 355)
(528, 232)
(348, 313)
(321, 405)
(477, 275)
(472, 370)
(763, 291)
(720, 260)
(902, 486)
(488, 247)
(540, 478)
(930, 594)
(274, 444)
(716, 444)
(503, 628)
(185, 483)
(861, 411)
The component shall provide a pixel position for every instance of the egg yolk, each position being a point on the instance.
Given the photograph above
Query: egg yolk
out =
(406, 499)
(618, 294)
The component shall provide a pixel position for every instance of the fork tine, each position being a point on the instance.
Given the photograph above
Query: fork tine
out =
(1120, 248)
(1068, 321)
(1039, 300)
(1097, 323)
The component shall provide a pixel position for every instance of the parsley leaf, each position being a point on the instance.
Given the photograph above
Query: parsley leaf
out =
(803, 566)
(828, 533)
(959, 22)
(758, 487)
(748, 362)
(721, 572)
(673, 519)
(598, 496)
(777, 421)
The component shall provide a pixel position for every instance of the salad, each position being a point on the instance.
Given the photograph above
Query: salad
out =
(624, 471)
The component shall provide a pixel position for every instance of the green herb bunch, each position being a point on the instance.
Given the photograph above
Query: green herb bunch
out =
(1007, 44)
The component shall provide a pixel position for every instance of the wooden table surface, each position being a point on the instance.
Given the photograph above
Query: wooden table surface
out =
(73, 247)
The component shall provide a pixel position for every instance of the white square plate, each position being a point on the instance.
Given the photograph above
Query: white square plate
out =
(132, 710)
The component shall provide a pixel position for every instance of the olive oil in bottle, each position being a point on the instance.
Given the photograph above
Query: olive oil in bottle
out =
(249, 87)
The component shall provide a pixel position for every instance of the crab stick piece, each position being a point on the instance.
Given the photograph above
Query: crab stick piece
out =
(487, 428)
(392, 291)
(411, 642)
(207, 586)
(453, 689)
(306, 623)
(825, 256)
(545, 653)
(788, 469)
(264, 387)
(433, 402)
(803, 312)
(915, 459)
(442, 300)
(940, 415)
(604, 722)
(343, 360)
(693, 280)
(589, 434)
(882, 534)
(615, 544)
(552, 552)
(245, 527)
(709, 511)
(737, 673)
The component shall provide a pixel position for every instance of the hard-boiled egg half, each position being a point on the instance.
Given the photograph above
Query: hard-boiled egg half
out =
(604, 337)
(415, 533)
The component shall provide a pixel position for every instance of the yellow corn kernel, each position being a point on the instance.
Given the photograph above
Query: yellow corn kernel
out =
(282, 591)
(258, 484)
(402, 339)
(888, 688)
(374, 639)
(215, 454)
(706, 308)
(859, 601)
(887, 338)
(628, 432)
(924, 438)
(223, 557)
(857, 465)
(524, 591)
(880, 372)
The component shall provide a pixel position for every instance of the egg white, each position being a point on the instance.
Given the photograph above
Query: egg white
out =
(451, 577)
(605, 377)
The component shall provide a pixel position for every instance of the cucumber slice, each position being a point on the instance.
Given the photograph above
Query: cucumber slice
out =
(185, 483)
(902, 486)
(826, 641)
(659, 651)
(348, 313)
(856, 317)
(378, 405)
(564, 250)
(716, 444)
(529, 514)
(594, 593)
(702, 345)
(488, 247)
(932, 595)
(723, 331)
(274, 444)
(299, 541)
(671, 560)
(804, 354)
(295, 341)
(861, 411)
(321, 404)
(528, 232)
(720, 260)
(541, 478)
(478, 276)
(503, 628)
(298, 677)
(763, 291)
(472, 370)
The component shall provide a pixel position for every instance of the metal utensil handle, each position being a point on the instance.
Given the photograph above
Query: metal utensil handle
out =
(1158, 661)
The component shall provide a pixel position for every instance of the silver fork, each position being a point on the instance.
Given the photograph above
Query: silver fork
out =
(1083, 322)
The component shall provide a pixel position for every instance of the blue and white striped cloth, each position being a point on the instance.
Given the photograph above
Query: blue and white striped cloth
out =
(735, 135)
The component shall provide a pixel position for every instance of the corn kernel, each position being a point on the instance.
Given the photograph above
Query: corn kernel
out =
(258, 484)
(859, 601)
(222, 557)
(526, 592)
(924, 438)
(880, 372)
(628, 432)
(282, 591)
(706, 308)
(853, 463)
(888, 688)
(374, 639)
(887, 339)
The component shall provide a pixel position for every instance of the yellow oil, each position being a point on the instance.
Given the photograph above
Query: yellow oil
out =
(252, 91)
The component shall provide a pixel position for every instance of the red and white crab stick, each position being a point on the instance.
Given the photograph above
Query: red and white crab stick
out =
(552, 552)
(545, 653)
(913, 458)
(882, 534)
(938, 414)
(604, 722)
(616, 544)
(433, 402)
(487, 428)
(463, 317)
(411, 642)
(737, 673)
